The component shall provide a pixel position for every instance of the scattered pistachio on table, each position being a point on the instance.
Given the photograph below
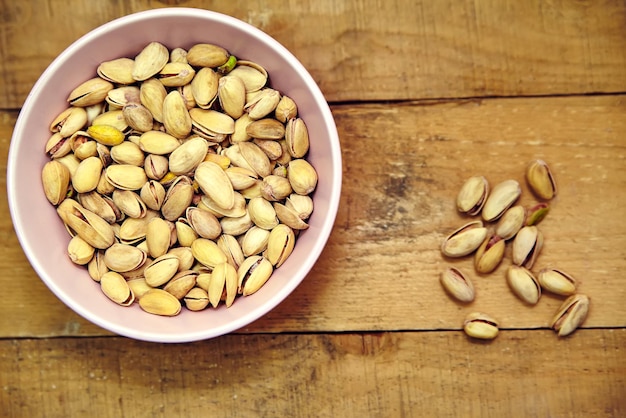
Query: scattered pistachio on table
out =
(181, 176)
(504, 223)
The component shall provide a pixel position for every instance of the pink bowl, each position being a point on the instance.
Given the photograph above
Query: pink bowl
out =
(41, 232)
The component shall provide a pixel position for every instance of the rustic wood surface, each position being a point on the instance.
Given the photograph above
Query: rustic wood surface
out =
(424, 95)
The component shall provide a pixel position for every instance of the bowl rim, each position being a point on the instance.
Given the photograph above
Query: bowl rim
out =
(324, 232)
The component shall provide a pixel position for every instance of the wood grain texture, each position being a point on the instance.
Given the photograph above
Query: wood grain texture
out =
(403, 165)
(439, 374)
(358, 50)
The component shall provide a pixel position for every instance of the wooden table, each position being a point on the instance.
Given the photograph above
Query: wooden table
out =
(425, 94)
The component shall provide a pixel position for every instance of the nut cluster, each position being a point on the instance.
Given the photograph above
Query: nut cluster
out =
(181, 177)
(487, 238)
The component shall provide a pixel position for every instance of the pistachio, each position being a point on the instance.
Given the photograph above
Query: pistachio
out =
(289, 217)
(204, 87)
(158, 234)
(500, 199)
(524, 284)
(222, 273)
(275, 188)
(152, 194)
(254, 76)
(280, 244)
(557, 281)
(465, 240)
(240, 133)
(89, 226)
(105, 134)
(138, 286)
(150, 61)
(238, 209)
(207, 55)
(232, 95)
(138, 117)
(160, 302)
(207, 253)
(215, 183)
(181, 283)
(254, 241)
(297, 137)
(114, 286)
(196, 299)
(236, 226)
(271, 148)
(185, 233)
(253, 273)
(156, 166)
(302, 205)
(83, 145)
(101, 205)
(157, 142)
(211, 124)
(489, 255)
(127, 153)
(126, 176)
(113, 118)
(526, 246)
(219, 159)
(161, 270)
(177, 199)
(472, 196)
(570, 315)
(96, 266)
(286, 109)
(69, 121)
(203, 223)
(176, 119)
(302, 176)
(90, 92)
(457, 284)
(185, 257)
(178, 55)
(87, 175)
(265, 129)
(122, 96)
(540, 179)
(511, 222)
(176, 74)
(130, 203)
(186, 158)
(118, 71)
(122, 258)
(58, 146)
(152, 94)
(480, 325)
(55, 178)
(263, 104)
(262, 213)
(231, 248)
(79, 251)
(536, 213)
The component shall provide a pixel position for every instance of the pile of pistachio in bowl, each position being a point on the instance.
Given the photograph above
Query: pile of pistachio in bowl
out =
(518, 225)
(181, 177)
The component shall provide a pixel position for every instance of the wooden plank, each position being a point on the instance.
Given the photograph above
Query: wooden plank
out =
(521, 373)
(398, 205)
(403, 165)
(358, 50)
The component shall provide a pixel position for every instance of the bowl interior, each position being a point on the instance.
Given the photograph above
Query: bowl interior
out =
(41, 232)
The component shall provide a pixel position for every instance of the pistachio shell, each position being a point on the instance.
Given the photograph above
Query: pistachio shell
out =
(101, 205)
(286, 109)
(69, 121)
(114, 118)
(87, 175)
(263, 104)
(204, 87)
(122, 96)
(138, 286)
(253, 273)
(177, 199)
(262, 213)
(527, 246)
(570, 315)
(232, 95)
(176, 74)
(300, 204)
(80, 251)
(238, 209)
(156, 166)
(254, 76)
(240, 133)
(185, 233)
(138, 117)
(207, 55)
(196, 299)
(480, 325)
(473, 195)
(118, 71)
(96, 266)
(255, 158)
(130, 203)
(203, 223)
(489, 255)
(158, 143)
(181, 283)
(241, 178)
(254, 241)
(275, 188)
(158, 235)
(266, 129)
(457, 284)
(511, 222)
(557, 281)
(236, 226)
(289, 217)
(207, 253)
(152, 194)
(211, 124)
(58, 146)
(231, 248)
